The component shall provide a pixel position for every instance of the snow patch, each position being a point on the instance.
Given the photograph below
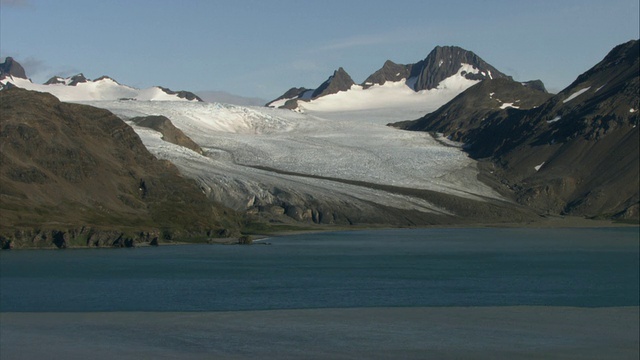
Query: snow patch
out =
(555, 119)
(538, 167)
(508, 105)
(576, 94)
(632, 110)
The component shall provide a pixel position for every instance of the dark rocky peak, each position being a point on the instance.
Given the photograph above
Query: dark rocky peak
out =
(390, 71)
(181, 94)
(622, 56)
(77, 79)
(619, 67)
(293, 93)
(339, 81)
(445, 61)
(602, 98)
(10, 67)
(536, 85)
(105, 77)
(56, 80)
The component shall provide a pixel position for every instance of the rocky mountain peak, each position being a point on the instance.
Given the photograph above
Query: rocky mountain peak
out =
(445, 61)
(77, 79)
(390, 71)
(339, 81)
(10, 67)
(181, 94)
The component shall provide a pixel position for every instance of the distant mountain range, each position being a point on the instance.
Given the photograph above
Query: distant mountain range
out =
(79, 88)
(441, 63)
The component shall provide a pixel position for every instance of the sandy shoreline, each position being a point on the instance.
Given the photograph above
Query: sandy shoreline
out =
(516, 332)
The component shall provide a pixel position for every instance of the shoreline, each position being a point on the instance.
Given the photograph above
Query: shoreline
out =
(545, 222)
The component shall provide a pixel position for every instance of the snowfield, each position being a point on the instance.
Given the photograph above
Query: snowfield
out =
(332, 148)
(102, 89)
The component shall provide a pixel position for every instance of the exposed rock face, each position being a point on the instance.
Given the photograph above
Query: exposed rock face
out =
(11, 67)
(292, 94)
(577, 153)
(390, 71)
(67, 167)
(169, 132)
(77, 79)
(55, 80)
(445, 61)
(181, 94)
(339, 81)
(535, 85)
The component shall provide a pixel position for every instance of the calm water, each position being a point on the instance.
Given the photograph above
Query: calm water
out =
(391, 268)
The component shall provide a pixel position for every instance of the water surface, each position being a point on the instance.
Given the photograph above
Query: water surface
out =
(389, 268)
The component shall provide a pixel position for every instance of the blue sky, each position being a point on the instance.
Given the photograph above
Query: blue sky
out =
(261, 48)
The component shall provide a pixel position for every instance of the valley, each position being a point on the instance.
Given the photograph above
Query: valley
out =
(484, 148)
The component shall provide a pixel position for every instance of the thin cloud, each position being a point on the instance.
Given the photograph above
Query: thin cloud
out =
(402, 35)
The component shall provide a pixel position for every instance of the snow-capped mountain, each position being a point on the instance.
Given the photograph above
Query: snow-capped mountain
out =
(575, 153)
(444, 67)
(79, 88)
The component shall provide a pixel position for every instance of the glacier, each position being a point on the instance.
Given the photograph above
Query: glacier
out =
(335, 149)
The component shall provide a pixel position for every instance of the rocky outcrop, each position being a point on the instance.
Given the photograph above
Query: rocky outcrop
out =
(445, 61)
(77, 79)
(390, 71)
(12, 68)
(181, 94)
(339, 81)
(69, 166)
(169, 132)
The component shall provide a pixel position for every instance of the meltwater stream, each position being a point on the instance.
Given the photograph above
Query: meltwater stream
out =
(381, 268)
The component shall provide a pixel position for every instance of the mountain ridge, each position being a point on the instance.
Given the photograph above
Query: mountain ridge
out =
(80, 88)
(441, 63)
(576, 153)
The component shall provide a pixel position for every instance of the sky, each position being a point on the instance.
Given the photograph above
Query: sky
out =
(261, 48)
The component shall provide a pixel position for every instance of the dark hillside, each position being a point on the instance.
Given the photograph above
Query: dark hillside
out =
(81, 172)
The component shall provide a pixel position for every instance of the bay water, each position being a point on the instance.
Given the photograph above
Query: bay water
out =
(382, 268)
(379, 292)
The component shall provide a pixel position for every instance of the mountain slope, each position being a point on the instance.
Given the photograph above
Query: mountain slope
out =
(83, 174)
(468, 111)
(576, 153)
